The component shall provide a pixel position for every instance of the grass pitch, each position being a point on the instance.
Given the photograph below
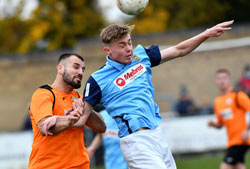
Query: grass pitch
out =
(200, 162)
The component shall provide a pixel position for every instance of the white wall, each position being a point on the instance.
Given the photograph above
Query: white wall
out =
(184, 135)
(15, 149)
(192, 134)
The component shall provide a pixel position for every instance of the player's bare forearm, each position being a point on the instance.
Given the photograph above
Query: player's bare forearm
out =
(62, 123)
(96, 122)
(41, 125)
(92, 119)
(54, 125)
(87, 111)
(189, 45)
(182, 48)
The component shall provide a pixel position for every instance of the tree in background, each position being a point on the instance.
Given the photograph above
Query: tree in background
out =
(12, 29)
(53, 24)
(172, 14)
(59, 23)
(151, 20)
(239, 10)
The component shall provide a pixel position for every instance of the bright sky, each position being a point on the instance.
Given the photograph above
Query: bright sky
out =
(7, 6)
(108, 7)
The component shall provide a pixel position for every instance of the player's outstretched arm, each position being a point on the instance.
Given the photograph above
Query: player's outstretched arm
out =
(189, 45)
(53, 125)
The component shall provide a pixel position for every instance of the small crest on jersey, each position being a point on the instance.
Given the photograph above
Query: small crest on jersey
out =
(136, 57)
(130, 75)
(74, 99)
(229, 101)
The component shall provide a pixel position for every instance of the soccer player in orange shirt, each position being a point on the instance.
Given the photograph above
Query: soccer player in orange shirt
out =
(230, 109)
(58, 132)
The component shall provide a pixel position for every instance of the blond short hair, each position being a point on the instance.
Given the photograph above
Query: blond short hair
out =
(115, 32)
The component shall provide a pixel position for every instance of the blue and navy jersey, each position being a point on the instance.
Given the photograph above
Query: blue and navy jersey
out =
(112, 152)
(126, 90)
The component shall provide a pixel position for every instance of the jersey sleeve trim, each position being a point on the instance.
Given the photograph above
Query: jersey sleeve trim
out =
(154, 55)
(92, 92)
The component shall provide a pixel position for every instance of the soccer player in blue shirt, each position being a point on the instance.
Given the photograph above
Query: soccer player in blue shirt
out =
(113, 157)
(124, 86)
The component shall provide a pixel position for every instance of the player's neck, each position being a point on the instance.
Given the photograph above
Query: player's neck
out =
(62, 86)
(224, 92)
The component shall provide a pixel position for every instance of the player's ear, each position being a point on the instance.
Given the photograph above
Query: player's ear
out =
(60, 68)
(107, 50)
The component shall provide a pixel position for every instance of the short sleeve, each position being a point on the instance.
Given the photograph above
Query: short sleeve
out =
(41, 104)
(154, 54)
(92, 92)
(243, 101)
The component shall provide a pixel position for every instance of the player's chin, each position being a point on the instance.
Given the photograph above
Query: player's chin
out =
(77, 80)
(76, 84)
(128, 60)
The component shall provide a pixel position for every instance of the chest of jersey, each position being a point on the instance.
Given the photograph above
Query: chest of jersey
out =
(130, 75)
(122, 86)
(225, 108)
(63, 104)
(228, 110)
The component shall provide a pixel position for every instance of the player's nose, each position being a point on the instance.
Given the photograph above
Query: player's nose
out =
(129, 47)
(80, 73)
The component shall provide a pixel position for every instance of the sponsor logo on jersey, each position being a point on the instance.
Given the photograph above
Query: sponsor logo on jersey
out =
(226, 114)
(111, 133)
(130, 75)
(229, 101)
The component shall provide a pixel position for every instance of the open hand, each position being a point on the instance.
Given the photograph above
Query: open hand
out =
(48, 124)
(77, 104)
(219, 29)
(211, 123)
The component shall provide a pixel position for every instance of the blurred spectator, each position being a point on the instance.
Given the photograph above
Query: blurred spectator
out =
(113, 157)
(185, 105)
(244, 81)
(27, 123)
(206, 108)
(97, 159)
